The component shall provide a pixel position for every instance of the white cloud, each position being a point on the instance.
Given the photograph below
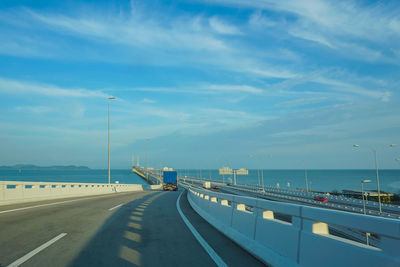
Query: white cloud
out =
(337, 85)
(34, 109)
(22, 87)
(258, 20)
(301, 102)
(346, 26)
(134, 31)
(234, 88)
(149, 101)
(202, 89)
(223, 27)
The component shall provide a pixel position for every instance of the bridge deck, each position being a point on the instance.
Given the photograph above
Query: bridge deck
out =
(146, 231)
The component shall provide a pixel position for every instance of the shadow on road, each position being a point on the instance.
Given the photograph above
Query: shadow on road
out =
(119, 241)
(145, 232)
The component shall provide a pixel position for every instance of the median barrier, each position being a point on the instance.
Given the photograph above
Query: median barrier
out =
(285, 234)
(17, 192)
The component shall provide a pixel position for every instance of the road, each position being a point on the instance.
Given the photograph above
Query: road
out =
(125, 229)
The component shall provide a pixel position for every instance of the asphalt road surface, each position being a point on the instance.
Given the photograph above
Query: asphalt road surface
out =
(125, 229)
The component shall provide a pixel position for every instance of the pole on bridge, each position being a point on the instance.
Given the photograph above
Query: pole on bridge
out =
(110, 98)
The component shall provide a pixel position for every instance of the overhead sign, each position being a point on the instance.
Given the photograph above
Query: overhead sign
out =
(225, 171)
(229, 171)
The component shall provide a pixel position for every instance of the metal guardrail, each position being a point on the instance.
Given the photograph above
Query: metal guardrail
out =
(284, 234)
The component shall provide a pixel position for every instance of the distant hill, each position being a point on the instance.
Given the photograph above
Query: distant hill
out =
(34, 167)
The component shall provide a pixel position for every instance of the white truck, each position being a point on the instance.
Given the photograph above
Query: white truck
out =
(207, 185)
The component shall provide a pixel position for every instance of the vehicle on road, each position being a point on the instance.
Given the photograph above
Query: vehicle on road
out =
(215, 187)
(170, 181)
(320, 198)
(207, 185)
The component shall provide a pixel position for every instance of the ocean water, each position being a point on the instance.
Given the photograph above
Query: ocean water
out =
(318, 180)
(71, 176)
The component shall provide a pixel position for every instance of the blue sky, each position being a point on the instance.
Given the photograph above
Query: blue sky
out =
(208, 82)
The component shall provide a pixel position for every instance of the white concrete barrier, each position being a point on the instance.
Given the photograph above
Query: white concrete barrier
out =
(16, 192)
(284, 234)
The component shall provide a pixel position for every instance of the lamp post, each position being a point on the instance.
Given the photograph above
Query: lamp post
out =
(377, 173)
(306, 176)
(365, 212)
(108, 101)
(147, 147)
(261, 171)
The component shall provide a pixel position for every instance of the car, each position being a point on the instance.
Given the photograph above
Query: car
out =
(216, 187)
(320, 198)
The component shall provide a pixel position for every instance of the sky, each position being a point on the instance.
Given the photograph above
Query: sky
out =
(277, 84)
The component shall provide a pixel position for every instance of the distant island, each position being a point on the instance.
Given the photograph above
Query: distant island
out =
(34, 167)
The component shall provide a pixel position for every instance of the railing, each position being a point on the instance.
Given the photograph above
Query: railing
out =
(15, 192)
(284, 234)
(336, 202)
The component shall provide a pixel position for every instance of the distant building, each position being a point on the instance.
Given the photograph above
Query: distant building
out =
(242, 171)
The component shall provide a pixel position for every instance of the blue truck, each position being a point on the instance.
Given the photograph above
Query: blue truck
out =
(170, 181)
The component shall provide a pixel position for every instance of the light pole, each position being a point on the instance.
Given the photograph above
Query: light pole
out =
(262, 174)
(261, 170)
(147, 146)
(377, 173)
(306, 176)
(108, 101)
(365, 212)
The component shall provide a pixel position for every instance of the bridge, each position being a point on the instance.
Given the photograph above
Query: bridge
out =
(73, 224)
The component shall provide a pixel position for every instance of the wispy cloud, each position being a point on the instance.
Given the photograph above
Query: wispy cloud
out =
(301, 102)
(21, 87)
(135, 32)
(34, 109)
(222, 27)
(148, 101)
(234, 88)
(346, 26)
(202, 89)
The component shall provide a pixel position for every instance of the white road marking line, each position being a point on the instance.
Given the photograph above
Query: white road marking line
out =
(36, 251)
(54, 203)
(116, 206)
(214, 256)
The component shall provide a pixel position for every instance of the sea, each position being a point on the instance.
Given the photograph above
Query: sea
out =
(318, 180)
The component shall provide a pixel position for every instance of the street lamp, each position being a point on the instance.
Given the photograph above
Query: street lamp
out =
(365, 212)
(377, 173)
(108, 101)
(306, 176)
(260, 171)
(147, 146)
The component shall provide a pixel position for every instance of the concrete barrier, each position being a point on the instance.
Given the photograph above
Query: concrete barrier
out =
(17, 192)
(284, 234)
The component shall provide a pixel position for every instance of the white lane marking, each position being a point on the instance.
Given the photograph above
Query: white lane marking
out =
(36, 251)
(214, 256)
(54, 203)
(116, 206)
